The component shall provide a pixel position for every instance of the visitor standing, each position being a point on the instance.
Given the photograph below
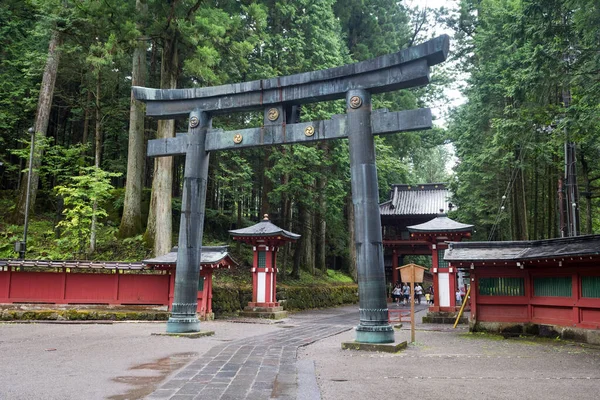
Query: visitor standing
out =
(406, 293)
(397, 294)
(430, 291)
(418, 293)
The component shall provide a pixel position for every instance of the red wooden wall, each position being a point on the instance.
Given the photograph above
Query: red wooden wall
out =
(84, 288)
(574, 311)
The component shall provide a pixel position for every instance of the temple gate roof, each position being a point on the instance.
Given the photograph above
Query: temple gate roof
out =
(423, 199)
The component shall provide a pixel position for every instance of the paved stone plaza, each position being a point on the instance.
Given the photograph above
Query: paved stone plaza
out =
(299, 358)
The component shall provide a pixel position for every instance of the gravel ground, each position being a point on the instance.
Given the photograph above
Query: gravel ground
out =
(444, 363)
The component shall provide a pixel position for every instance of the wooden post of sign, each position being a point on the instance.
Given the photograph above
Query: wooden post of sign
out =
(412, 273)
(412, 303)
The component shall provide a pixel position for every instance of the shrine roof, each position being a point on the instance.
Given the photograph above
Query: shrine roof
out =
(209, 255)
(423, 199)
(523, 250)
(76, 264)
(441, 223)
(264, 228)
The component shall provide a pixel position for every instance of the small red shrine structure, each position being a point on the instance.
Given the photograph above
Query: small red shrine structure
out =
(265, 238)
(436, 233)
(548, 286)
(212, 258)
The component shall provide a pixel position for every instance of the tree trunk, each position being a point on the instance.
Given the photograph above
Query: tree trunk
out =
(86, 118)
(536, 212)
(267, 185)
(97, 158)
(518, 204)
(320, 223)
(131, 221)
(585, 170)
(321, 228)
(299, 249)
(308, 253)
(159, 230)
(41, 124)
(286, 210)
(552, 225)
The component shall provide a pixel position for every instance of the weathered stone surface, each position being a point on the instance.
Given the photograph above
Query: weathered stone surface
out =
(404, 69)
(264, 314)
(383, 347)
(189, 335)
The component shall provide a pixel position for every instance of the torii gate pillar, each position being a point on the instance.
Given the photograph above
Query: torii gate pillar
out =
(374, 326)
(183, 314)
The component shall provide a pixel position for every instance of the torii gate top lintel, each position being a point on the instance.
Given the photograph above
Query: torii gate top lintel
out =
(404, 69)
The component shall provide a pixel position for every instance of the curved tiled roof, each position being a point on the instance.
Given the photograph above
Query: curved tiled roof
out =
(209, 255)
(441, 223)
(264, 228)
(423, 199)
(524, 250)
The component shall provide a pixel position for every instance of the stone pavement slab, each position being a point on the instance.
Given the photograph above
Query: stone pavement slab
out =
(260, 367)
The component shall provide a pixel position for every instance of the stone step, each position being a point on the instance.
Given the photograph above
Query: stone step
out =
(264, 314)
(263, 309)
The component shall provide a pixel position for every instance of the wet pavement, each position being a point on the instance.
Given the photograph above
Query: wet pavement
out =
(261, 367)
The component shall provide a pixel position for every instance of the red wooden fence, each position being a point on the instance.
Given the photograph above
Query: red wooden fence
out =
(62, 287)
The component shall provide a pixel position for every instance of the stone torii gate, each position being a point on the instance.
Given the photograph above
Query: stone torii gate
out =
(278, 98)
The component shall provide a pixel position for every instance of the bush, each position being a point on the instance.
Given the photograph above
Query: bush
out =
(228, 300)
(303, 298)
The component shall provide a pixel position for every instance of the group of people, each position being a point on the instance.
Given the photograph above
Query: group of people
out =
(401, 294)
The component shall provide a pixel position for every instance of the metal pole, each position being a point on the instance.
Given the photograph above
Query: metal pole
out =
(185, 303)
(374, 326)
(23, 247)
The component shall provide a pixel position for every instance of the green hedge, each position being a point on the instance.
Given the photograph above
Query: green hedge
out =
(82, 315)
(303, 298)
(229, 300)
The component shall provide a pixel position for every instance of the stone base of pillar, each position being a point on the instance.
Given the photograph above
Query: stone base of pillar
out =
(183, 325)
(374, 333)
(275, 312)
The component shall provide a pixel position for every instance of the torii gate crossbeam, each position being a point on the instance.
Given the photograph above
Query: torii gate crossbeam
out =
(354, 82)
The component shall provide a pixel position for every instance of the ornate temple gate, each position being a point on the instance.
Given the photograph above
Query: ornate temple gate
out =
(278, 97)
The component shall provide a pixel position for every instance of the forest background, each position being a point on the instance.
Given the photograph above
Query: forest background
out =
(67, 67)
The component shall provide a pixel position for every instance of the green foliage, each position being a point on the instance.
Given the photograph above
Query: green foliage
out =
(217, 43)
(230, 299)
(525, 59)
(303, 298)
(81, 200)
